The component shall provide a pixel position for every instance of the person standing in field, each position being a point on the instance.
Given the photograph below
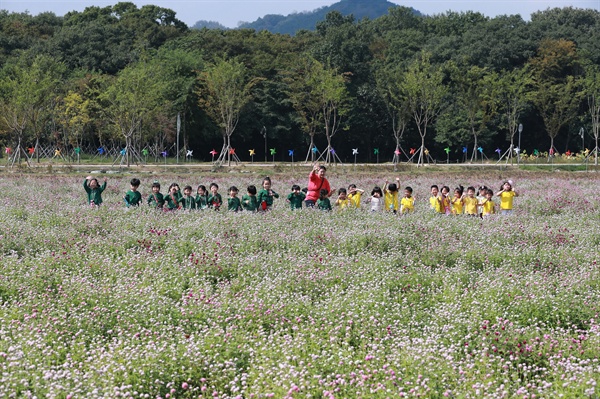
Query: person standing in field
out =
(390, 196)
(233, 202)
(201, 197)
(376, 199)
(470, 202)
(317, 182)
(342, 199)
(188, 201)
(215, 200)
(296, 197)
(457, 201)
(435, 200)
(354, 196)
(506, 194)
(172, 199)
(156, 199)
(266, 195)
(488, 205)
(323, 202)
(133, 197)
(249, 201)
(407, 204)
(94, 190)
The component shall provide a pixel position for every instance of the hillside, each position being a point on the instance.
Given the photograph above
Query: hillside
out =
(292, 23)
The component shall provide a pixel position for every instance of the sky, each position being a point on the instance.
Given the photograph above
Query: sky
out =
(231, 12)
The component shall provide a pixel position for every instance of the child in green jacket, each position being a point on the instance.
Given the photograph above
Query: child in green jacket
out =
(266, 195)
(94, 190)
(156, 199)
(133, 197)
(249, 201)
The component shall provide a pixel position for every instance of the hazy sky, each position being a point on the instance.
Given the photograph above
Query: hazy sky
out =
(231, 12)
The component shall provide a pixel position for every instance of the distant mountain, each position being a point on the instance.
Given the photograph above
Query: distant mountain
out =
(208, 25)
(292, 23)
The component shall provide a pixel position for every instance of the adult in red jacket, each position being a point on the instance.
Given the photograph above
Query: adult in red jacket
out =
(316, 183)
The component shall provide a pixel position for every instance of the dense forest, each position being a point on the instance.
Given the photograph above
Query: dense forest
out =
(452, 86)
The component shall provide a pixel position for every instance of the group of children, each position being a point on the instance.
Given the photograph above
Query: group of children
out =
(262, 200)
(481, 205)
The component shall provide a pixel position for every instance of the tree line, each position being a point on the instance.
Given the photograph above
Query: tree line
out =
(452, 86)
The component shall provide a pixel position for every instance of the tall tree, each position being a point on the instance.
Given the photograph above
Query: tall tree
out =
(592, 93)
(389, 85)
(512, 88)
(319, 96)
(474, 95)
(557, 95)
(300, 90)
(73, 113)
(224, 91)
(29, 95)
(425, 92)
(130, 100)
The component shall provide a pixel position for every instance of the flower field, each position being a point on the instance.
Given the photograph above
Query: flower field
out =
(136, 303)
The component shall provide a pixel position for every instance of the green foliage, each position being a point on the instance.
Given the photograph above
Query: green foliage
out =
(85, 50)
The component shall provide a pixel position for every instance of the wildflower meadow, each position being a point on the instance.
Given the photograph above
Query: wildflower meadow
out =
(120, 302)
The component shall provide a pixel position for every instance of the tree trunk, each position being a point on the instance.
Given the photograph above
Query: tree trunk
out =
(421, 152)
(228, 150)
(37, 151)
(474, 155)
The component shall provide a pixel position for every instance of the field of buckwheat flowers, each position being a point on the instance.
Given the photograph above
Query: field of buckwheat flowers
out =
(137, 303)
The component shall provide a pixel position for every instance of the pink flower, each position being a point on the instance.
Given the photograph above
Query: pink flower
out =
(184, 385)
